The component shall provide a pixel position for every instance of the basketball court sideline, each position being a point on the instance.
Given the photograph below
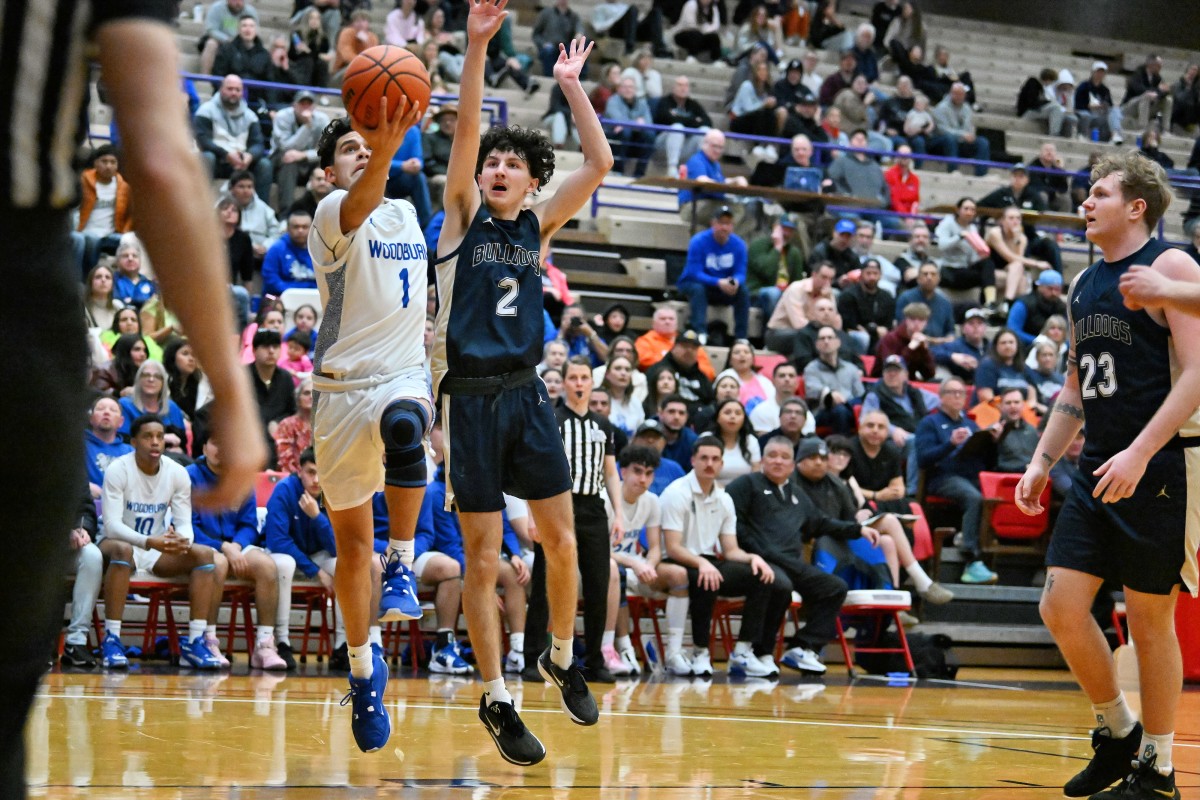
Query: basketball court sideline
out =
(993, 734)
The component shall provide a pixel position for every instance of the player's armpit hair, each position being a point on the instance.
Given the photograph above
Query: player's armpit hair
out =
(1069, 410)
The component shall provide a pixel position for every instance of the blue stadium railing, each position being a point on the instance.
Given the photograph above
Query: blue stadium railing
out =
(1184, 183)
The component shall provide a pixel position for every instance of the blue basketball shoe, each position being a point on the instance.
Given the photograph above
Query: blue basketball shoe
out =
(196, 653)
(399, 601)
(112, 653)
(370, 722)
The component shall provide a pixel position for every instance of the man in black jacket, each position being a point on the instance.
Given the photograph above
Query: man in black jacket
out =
(773, 520)
(694, 385)
(245, 56)
(678, 109)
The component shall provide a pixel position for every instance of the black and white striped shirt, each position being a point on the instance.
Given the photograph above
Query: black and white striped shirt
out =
(44, 50)
(587, 439)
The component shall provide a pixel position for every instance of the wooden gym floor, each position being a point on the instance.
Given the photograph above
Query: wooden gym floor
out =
(149, 735)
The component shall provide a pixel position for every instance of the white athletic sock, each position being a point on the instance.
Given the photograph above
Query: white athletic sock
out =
(516, 642)
(281, 636)
(113, 626)
(674, 640)
(210, 631)
(264, 634)
(404, 548)
(624, 643)
(361, 661)
(496, 692)
(743, 648)
(920, 580)
(677, 609)
(1159, 746)
(196, 628)
(1116, 716)
(375, 635)
(608, 638)
(562, 652)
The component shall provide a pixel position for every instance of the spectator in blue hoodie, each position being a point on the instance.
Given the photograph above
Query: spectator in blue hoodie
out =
(234, 533)
(287, 264)
(102, 440)
(715, 272)
(953, 471)
(298, 526)
(406, 179)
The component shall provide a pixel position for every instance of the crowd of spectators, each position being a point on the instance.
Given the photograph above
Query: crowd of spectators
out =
(875, 376)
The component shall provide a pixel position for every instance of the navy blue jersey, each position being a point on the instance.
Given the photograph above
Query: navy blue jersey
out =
(490, 293)
(1126, 359)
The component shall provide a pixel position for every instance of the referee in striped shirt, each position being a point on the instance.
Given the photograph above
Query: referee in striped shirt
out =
(590, 442)
(44, 47)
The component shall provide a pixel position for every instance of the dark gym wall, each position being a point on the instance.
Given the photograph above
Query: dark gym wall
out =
(1167, 23)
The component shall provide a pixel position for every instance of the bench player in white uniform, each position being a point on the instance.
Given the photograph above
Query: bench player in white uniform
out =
(644, 575)
(140, 488)
(373, 406)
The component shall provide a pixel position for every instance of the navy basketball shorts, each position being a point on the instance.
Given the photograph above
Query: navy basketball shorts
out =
(1140, 542)
(507, 442)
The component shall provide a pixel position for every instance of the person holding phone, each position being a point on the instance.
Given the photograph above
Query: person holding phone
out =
(580, 337)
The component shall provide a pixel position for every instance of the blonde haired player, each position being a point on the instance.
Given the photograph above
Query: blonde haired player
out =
(1132, 517)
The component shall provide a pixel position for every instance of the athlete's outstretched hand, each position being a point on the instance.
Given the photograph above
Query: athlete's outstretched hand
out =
(388, 134)
(1119, 476)
(1029, 490)
(571, 59)
(1144, 286)
(485, 18)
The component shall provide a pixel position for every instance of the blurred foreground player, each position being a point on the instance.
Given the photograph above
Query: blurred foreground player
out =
(47, 45)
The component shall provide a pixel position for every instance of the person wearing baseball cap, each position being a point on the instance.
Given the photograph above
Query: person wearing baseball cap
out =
(1095, 107)
(715, 272)
(1030, 312)
(651, 434)
(294, 135)
(963, 355)
(837, 249)
(436, 146)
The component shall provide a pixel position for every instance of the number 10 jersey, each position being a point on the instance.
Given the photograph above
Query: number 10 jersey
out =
(1126, 359)
(490, 293)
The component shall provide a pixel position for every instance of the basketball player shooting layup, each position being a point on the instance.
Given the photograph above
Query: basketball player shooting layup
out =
(373, 406)
(1132, 517)
(500, 431)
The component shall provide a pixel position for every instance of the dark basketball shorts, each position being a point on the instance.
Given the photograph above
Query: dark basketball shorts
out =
(507, 442)
(1140, 542)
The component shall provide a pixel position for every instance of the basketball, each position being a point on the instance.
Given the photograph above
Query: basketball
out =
(383, 71)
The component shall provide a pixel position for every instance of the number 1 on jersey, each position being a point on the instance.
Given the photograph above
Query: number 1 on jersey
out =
(506, 307)
(404, 281)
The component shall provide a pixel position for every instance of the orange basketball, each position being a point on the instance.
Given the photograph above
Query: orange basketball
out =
(379, 71)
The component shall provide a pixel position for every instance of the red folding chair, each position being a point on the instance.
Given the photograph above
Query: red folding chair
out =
(1004, 529)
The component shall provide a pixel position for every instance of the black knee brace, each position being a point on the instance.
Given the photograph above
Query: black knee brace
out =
(403, 428)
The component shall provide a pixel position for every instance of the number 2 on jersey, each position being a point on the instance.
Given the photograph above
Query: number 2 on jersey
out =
(506, 307)
(1106, 365)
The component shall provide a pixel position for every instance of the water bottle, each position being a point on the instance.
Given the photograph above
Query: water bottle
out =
(1095, 134)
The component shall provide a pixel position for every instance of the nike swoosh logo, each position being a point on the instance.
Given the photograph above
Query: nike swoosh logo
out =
(1164, 793)
(494, 727)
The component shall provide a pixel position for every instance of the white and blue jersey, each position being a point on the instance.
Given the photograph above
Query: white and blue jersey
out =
(373, 284)
(137, 506)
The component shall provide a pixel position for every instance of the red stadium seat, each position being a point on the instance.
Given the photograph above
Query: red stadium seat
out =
(264, 485)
